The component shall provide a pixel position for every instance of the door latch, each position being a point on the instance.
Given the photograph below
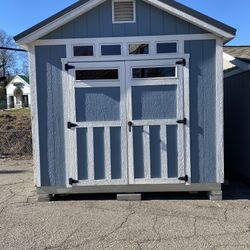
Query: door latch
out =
(184, 121)
(130, 124)
(71, 125)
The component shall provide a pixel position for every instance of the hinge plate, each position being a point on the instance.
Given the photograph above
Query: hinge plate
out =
(184, 121)
(183, 178)
(181, 62)
(72, 181)
(68, 67)
(71, 125)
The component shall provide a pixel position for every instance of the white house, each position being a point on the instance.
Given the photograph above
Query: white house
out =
(18, 92)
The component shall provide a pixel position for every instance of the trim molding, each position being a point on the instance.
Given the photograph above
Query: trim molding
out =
(34, 115)
(219, 113)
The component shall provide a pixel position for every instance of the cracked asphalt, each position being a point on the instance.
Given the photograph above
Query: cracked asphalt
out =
(81, 222)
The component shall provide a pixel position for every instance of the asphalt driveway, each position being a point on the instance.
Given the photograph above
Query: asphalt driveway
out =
(88, 223)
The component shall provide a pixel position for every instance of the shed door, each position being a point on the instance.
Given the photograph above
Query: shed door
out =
(99, 144)
(123, 125)
(155, 103)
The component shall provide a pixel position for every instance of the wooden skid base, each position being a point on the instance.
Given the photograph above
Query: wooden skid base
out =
(133, 192)
(128, 197)
(215, 195)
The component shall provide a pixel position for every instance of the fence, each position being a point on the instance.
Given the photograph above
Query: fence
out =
(16, 144)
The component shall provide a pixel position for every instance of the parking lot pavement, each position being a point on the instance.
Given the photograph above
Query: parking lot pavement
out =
(72, 223)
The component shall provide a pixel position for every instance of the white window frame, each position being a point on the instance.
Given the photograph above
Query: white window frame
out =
(113, 12)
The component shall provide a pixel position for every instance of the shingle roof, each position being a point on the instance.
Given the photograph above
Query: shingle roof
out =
(25, 78)
(239, 52)
(172, 3)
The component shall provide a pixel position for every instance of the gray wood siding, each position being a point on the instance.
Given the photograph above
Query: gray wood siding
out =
(237, 120)
(149, 21)
(50, 114)
(202, 110)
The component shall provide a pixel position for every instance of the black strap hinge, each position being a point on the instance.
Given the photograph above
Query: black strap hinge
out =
(184, 121)
(183, 178)
(72, 181)
(181, 62)
(71, 125)
(68, 67)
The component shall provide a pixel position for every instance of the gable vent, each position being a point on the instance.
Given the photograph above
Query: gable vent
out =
(123, 11)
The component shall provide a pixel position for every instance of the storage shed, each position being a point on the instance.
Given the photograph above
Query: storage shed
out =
(237, 110)
(127, 97)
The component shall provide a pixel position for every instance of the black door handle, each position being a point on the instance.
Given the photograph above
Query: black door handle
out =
(130, 124)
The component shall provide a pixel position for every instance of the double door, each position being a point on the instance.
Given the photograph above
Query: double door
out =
(125, 122)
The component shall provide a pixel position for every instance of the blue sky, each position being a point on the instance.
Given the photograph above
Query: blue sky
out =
(20, 15)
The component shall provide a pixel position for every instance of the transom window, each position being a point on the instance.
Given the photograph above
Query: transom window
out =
(83, 50)
(166, 48)
(111, 50)
(123, 11)
(97, 74)
(138, 48)
(155, 72)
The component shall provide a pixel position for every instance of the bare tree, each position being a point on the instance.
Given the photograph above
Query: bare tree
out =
(7, 58)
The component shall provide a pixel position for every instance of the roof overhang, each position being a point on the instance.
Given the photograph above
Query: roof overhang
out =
(172, 7)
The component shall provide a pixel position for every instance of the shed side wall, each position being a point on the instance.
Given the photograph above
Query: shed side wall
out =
(149, 21)
(237, 120)
(202, 110)
(50, 114)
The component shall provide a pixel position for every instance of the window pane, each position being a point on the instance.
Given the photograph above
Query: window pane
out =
(138, 49)
(166, 47)
(154, 72)
(97, 74)
(83, 51)
(111, 50)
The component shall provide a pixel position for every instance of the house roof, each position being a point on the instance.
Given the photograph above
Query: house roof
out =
(236, 60)
(25, 78)
(170, 6)
(239, 52)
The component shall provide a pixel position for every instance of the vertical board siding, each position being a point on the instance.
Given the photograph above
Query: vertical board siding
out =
(202, 110)
(237, 120)
(50, 115)
(98, 23)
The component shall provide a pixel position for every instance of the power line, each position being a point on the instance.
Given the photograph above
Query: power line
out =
(14, 49)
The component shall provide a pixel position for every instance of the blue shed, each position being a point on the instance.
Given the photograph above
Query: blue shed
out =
(127, 97)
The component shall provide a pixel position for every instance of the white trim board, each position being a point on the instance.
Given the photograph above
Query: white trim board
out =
(31, 37)
(219, 113)
(34, 115)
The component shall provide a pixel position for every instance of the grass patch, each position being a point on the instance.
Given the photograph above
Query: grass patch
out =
(16, 112)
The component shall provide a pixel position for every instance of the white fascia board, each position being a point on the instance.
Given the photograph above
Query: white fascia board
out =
(191, 19)
(237, 62)
(59, 22)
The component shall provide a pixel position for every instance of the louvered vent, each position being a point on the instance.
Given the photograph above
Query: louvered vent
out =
(123, 11)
